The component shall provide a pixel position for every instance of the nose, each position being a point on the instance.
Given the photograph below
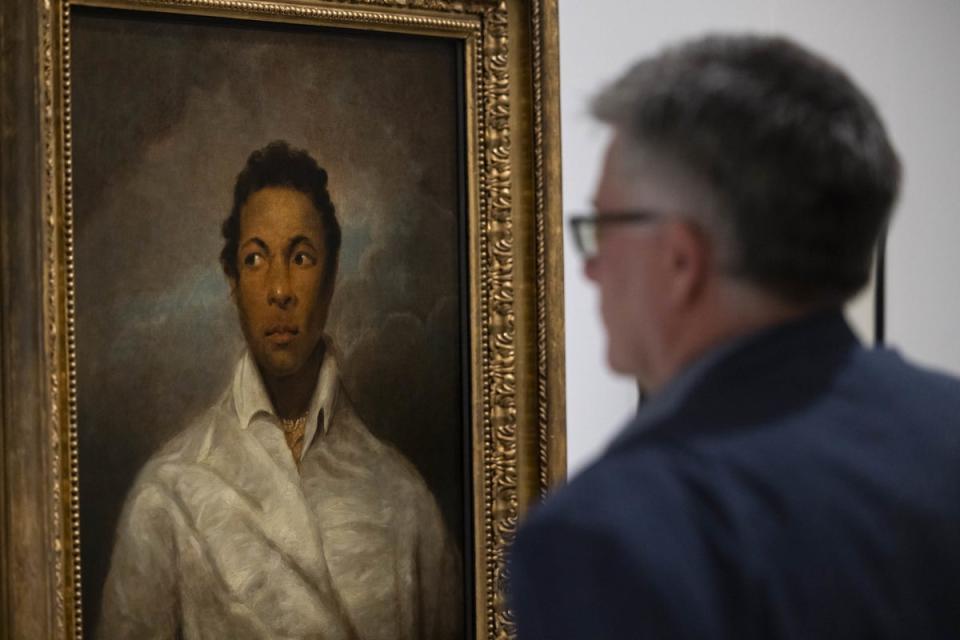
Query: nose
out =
(590, 268)
(280, 293)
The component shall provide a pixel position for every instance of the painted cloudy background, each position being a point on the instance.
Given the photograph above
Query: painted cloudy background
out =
(165, 111)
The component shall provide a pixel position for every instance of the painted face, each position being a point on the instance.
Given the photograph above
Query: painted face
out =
(279, 287)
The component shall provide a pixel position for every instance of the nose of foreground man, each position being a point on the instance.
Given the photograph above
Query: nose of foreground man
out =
(590, 268)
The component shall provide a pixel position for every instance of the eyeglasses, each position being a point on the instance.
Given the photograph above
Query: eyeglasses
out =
(586, 228)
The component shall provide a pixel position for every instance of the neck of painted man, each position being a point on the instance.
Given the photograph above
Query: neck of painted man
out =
(291, 395)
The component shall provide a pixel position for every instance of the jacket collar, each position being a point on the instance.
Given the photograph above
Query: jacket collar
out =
(748, 378)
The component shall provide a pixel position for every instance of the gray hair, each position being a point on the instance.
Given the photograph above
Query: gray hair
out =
(796, 154)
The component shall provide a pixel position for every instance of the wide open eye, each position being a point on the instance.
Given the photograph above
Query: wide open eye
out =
(304, 259)
(252, 259)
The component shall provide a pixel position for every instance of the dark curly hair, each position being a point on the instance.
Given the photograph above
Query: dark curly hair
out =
(802, 165)
(279, 165)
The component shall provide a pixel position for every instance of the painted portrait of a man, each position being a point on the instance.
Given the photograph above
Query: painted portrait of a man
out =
(271, 330)
(276, 512)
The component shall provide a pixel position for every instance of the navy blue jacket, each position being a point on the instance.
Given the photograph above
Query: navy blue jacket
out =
(801, 487)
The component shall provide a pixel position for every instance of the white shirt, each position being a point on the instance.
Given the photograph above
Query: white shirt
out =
(222, 538)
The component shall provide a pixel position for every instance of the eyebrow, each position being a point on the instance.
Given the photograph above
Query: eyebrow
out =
(298, 239)
(257, 241)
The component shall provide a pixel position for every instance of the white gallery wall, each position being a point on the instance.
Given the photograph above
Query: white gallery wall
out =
(904, 54)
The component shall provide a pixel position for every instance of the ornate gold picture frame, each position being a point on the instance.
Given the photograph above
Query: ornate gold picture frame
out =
(435, 124)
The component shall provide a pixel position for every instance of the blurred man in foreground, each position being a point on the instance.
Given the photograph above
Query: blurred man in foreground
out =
(783, 481)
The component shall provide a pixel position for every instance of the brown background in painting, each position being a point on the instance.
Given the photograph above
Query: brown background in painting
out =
(165, 111)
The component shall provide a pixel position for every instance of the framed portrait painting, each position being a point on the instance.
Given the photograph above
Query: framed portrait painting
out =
(281, 333)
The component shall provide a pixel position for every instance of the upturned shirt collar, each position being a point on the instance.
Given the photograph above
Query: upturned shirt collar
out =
(252, 400)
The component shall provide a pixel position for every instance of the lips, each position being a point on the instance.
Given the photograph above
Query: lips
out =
(282, 334)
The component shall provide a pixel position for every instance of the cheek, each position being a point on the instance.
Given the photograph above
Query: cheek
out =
(249, 298)
(308, 285)
(627, 297)
(614, 279)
